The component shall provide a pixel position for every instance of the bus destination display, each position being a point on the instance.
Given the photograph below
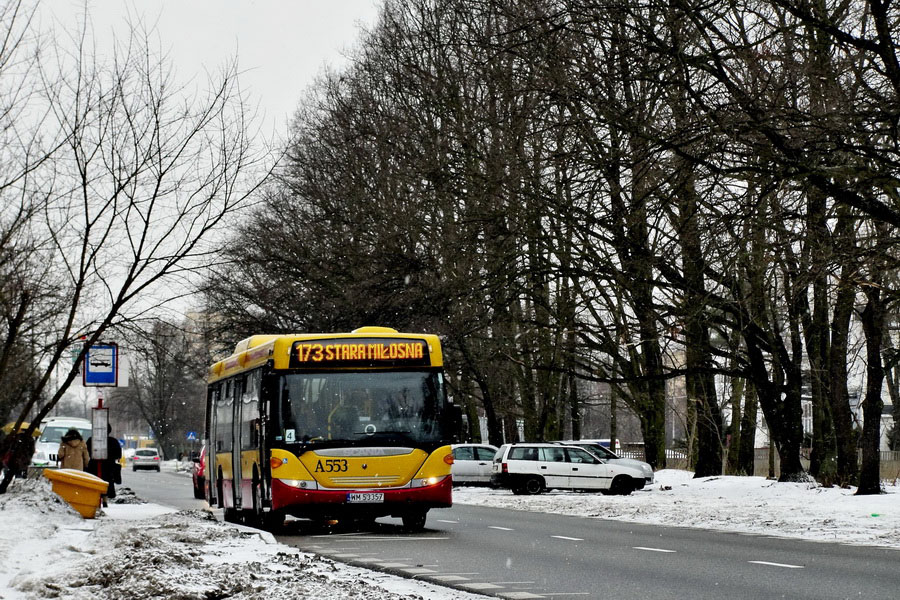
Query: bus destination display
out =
(340, 353)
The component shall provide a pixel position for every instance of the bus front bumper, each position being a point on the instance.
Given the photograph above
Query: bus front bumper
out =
(395, 501)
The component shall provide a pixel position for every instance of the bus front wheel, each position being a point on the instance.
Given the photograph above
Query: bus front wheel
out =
(232, 515)
(414, 521)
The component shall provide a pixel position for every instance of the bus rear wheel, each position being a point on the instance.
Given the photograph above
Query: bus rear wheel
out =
(415, 520)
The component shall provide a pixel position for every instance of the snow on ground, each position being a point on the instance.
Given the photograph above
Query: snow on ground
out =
(138, 550)
(737, 504)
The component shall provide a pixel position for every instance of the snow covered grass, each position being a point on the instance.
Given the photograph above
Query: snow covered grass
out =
(138, 550)
(738, 504)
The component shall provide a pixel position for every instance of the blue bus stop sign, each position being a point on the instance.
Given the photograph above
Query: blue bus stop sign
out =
(101, 366)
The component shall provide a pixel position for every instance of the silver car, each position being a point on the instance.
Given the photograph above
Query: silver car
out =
(146, 458)
(595, 448)
(472, 464)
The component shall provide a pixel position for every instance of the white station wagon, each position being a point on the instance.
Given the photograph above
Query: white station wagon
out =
(533, 468)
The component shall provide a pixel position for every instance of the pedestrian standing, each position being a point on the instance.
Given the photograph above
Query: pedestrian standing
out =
(15, 456)
(73, 452)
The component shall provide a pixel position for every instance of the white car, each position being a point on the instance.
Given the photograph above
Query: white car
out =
(601, 451)
(52, 430)
(146, 458)
(533, 468)
(472, 463)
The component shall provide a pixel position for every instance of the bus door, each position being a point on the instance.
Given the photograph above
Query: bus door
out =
(237, 392)
(212, 401)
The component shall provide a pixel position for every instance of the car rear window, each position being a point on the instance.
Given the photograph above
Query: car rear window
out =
(146, 453)
(520, 453)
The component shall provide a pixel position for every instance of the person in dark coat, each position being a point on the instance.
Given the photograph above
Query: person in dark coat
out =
(108, 468)
(15, 454)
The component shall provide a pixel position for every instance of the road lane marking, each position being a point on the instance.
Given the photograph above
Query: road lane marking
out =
(449, 578)
(652, 549)
(418, 571)
(518, 595)
(500, 528)
(392, 539)
(571, 539)
(773, 564)
(444, 521)
(480, 586)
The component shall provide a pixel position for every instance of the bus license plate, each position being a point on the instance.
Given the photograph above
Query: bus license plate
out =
(365, 498)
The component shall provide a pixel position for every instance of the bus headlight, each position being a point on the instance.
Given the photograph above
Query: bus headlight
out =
(426, 481)
(302, 484)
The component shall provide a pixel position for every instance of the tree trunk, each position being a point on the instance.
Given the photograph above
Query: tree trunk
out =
(732, 466)
(873, 326)
(746, 463)
(847, 458)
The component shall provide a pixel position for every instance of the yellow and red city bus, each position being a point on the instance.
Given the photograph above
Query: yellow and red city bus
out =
(330, 426)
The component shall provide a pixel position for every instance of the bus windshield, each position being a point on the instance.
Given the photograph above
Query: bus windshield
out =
(375, 408)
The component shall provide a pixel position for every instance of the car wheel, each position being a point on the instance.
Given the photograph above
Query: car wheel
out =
(134, 469)
(158, 469)
(415, 520)
(533, 486)
(518, 491)
(621, 485)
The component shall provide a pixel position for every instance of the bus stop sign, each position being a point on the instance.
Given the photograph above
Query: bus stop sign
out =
(101, 366)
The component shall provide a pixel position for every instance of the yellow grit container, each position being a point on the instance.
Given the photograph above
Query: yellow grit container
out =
(81, 490)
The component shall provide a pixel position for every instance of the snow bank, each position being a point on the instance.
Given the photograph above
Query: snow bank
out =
(739, 504)
(137, 550)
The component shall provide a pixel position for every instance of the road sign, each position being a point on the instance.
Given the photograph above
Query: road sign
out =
(101, 366)
(192, 436)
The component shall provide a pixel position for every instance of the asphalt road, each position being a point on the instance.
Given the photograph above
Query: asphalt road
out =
(515, 554)
(166, 487)
(520, 555)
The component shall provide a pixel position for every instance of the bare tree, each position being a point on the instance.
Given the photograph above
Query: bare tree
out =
(146, 173)
(167, 383)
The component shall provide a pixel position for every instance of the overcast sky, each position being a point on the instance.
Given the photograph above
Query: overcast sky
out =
(281, 45)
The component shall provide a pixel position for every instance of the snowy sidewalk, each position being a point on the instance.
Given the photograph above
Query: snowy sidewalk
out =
(147, 551)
